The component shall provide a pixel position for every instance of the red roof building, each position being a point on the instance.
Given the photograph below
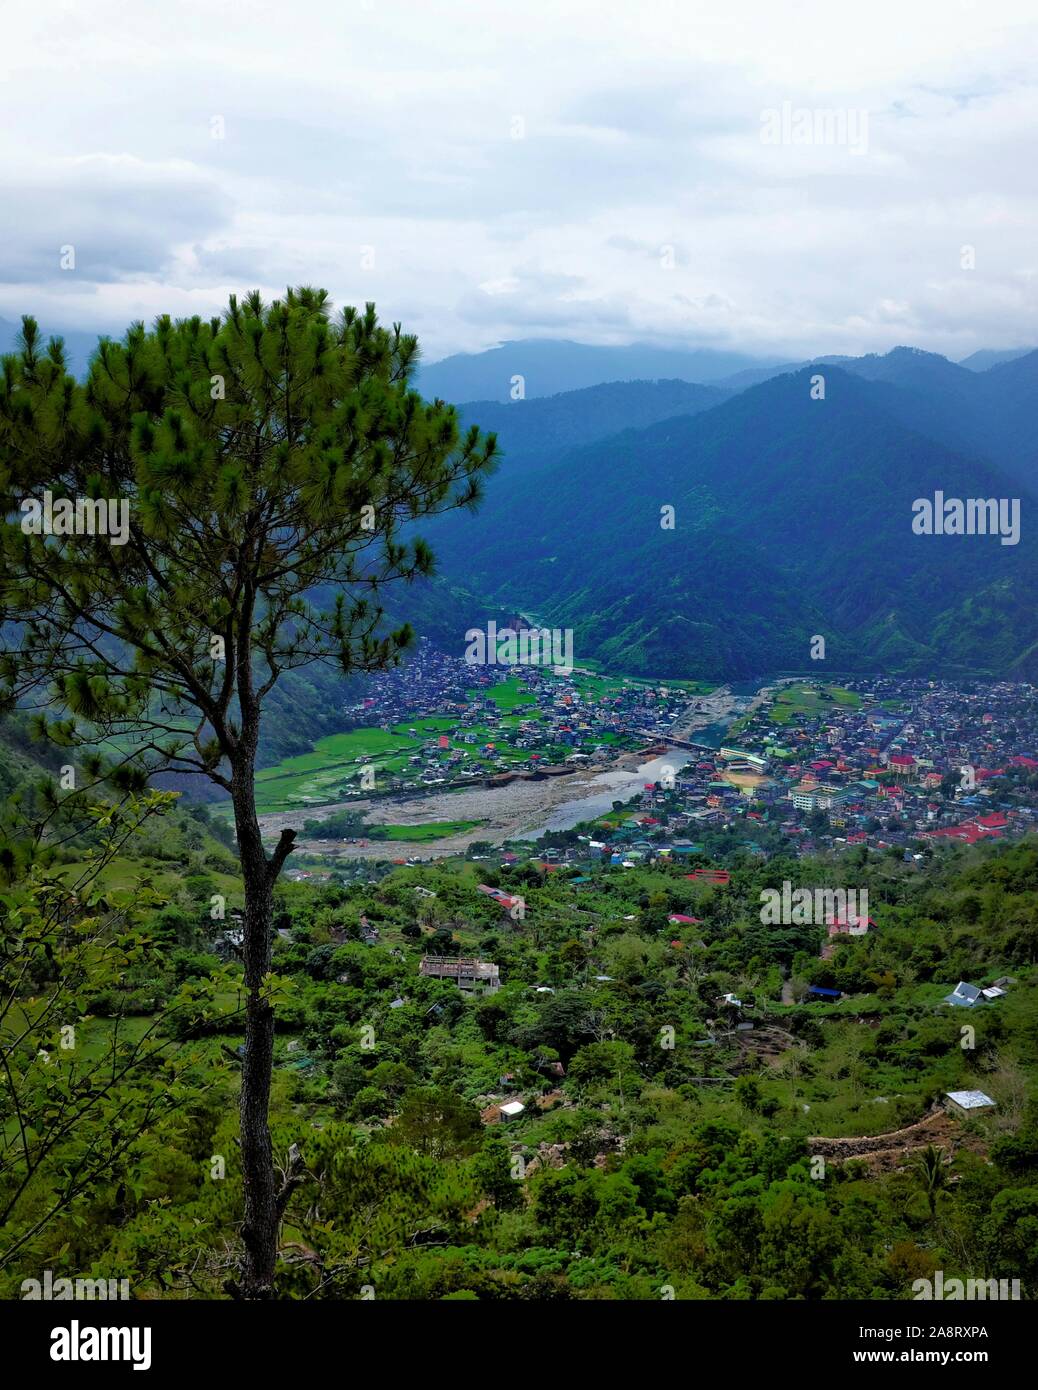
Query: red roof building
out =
(853, 925)
(901, 764)
(969, 832)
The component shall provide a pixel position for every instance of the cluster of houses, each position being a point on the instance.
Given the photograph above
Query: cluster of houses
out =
(907, 764)
(915, 760)
(907, 761)
(559, 726)
(893, 763)
(429, 683)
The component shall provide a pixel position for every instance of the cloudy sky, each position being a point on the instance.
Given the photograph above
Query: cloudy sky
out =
(557, 168)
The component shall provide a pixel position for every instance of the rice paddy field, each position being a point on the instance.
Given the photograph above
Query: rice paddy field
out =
(330, 771)
(594, 686)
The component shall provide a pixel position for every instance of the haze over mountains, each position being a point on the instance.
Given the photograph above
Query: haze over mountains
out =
(548, 425)
(793, 518)
(549, 366)
(987, 357)
(987, 412)
(792, 515)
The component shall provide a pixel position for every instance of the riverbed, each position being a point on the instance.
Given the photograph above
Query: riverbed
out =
(618, 784)
(524, 810)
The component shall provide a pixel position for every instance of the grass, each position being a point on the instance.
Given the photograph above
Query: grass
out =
(796, 701)
(124, 875)
(614, 683)
(435, 724)
(509, 694)
(322, 775)
(92, 1037)
(430, 830)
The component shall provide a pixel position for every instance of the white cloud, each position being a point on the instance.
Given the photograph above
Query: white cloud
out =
(393, 126)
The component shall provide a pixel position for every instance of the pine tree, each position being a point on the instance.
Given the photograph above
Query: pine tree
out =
(264, 465)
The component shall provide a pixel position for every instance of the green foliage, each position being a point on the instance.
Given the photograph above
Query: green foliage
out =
(266, 462)
(81, 1093)
(435, 1123)
(230, 497)
(634, 1165)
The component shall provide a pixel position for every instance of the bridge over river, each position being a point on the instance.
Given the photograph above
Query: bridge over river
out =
(672, 741)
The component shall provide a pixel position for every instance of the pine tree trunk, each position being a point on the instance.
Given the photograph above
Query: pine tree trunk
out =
(260, 1228)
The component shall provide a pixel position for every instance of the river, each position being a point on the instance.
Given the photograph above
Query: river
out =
(621, 785)
(617, 785)
(526, 810)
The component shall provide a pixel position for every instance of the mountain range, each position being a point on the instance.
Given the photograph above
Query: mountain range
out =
(793, 518)
(792, 513)
(548, 366)
(539, 430)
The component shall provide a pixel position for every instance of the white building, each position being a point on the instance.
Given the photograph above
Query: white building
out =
(968, 1102)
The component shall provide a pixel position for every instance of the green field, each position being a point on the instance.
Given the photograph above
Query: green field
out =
(795, 701)
(596, 686)
(123, 875)
(432, 830)
(315, 778)
(509, 694)
(330, 771)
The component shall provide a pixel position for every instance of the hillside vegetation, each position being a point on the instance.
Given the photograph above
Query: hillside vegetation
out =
(662, 1150)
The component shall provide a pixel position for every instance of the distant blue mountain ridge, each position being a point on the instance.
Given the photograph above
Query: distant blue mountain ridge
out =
(793, 514)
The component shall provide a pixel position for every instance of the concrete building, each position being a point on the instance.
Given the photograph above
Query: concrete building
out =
(968, 1103)
(470, 975)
